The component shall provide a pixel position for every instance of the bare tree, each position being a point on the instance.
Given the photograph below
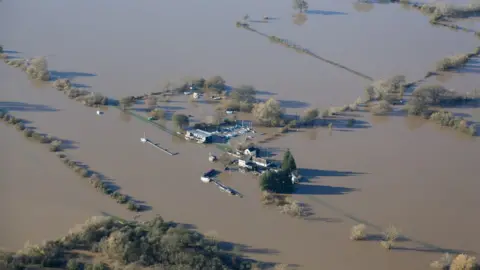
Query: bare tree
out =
(300, 5)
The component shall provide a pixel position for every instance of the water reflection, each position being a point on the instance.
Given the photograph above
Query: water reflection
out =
(311, 134)
(444, 77)
(38, 84)
(299, 19)
(414, 123)
(178, 140)
(125, 117)
(362, 7)
(380, 119)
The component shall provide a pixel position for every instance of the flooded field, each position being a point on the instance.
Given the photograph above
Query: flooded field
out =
(384, 171)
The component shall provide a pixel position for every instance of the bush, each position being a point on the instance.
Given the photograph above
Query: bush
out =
(452, 62)
(82, 172)
(19, 63)
(464, 262)
(20, 126)
(416, 106)
(38, 69)
(381, 107)
(75, 93)
(286, 204)
(293, 208)
(28, 133)
(13, 121)
(55, 146)
(120, 198)
(443, 263)
(269, 113)
(99, 266)
(73, 265)
(93, 99)
(358, 232)
(390, 235)
(2, 114)
(392, 88)
(7, 118)
(310, 115)
(132, 206)
(62, 84)
(387, 244)
(157, 113)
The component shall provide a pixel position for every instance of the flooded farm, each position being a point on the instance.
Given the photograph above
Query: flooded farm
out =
(382, 170)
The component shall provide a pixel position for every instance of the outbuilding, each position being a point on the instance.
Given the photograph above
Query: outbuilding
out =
(200, 135)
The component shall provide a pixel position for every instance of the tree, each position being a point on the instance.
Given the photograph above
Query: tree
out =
(300, 5)
(127, 102)
(434, 94)
(417, 106)
(278, 182)
(381, 107)
(269, 113)
(157, 113)
(288, 164)
(180, 120)
(244, 93)
(151, 102)
(310, 115)
(216, 82)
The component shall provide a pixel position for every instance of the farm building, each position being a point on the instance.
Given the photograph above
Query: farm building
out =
(199, 135)
(261, 162)
(251, 151)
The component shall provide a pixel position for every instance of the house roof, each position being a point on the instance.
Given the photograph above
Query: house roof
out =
(200, 133)
(261, 160)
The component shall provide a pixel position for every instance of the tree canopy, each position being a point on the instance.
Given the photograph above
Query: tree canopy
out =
(216, 82)
(300, 5)
(269, 113)
(278, 182)
(180, 120)
(310, 115)
(244, 93)
(288, 164)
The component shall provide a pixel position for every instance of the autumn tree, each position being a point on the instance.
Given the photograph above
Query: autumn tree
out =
(269, 113)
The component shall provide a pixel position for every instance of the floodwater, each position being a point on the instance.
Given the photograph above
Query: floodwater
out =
(386, 170)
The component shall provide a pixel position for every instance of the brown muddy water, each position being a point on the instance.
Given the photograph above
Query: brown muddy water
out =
(388, 170)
